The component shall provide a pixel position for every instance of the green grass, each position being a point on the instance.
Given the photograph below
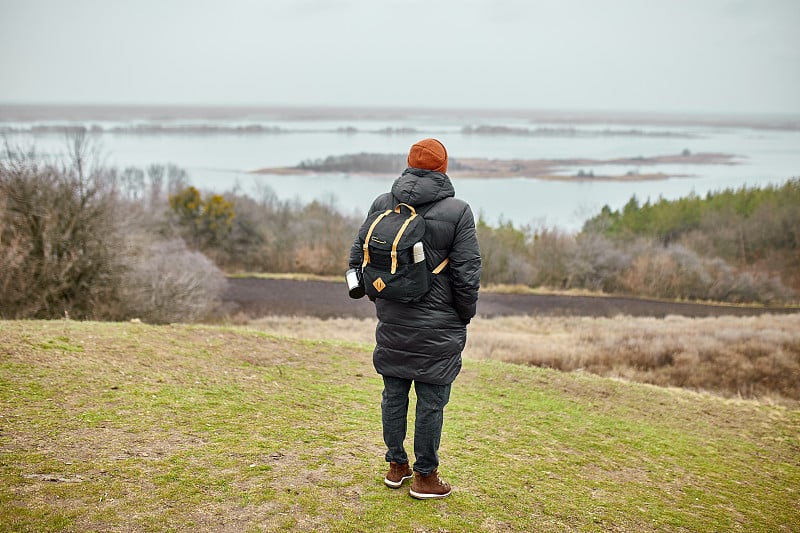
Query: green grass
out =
(208, 428)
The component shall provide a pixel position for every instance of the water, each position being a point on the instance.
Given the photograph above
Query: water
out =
(220, 161)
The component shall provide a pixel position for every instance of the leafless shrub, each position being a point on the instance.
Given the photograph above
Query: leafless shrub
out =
(596, 264)
(505, 254)
(550, 255)
(667, 272)
(13, 251)
(167, 283)
(323, 239)
(677, 272)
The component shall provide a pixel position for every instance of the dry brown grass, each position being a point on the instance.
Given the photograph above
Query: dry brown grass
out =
(751, 357)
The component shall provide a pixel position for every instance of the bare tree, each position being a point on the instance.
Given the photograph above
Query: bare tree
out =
(59, 219)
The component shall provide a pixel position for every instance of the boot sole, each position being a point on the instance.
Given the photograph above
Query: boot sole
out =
(395, 484)
(426, 496)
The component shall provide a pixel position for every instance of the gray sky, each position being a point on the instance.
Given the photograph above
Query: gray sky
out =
(628, 55)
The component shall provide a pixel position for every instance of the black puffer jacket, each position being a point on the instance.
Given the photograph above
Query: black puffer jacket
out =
(424, 340)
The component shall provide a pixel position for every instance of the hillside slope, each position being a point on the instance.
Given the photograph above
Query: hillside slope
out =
(133, 427)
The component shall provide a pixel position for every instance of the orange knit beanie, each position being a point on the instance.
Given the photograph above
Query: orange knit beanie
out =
(428, 154)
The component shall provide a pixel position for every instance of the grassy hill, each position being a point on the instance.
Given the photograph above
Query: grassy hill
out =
(123, 426)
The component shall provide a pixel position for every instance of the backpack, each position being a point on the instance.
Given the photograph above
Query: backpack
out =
(390, 268)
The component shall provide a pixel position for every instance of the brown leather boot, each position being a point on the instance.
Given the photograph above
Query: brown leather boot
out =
(398, 472)
(430, 486)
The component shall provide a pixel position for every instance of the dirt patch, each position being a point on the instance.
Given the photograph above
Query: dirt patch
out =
(258, 297)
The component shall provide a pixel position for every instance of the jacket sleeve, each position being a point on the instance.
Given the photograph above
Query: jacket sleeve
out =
(465, 265)
(357, 249)
(357, 252)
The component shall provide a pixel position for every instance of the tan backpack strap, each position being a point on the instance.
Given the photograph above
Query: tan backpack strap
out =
(410, 208)
(441, 266)
(369, 234)
(400, 234)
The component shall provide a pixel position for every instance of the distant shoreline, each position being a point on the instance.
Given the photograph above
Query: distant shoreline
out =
(40, 112)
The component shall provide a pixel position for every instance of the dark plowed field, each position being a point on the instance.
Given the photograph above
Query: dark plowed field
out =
(260, 297)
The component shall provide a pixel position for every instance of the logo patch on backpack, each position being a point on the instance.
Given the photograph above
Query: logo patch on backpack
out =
(379, 284)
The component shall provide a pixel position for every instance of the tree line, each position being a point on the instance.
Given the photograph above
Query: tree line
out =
(753, 229)
(735, 245)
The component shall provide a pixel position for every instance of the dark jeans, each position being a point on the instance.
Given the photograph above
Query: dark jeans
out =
(431, 400)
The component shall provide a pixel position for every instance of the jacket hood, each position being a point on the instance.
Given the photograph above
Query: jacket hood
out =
(417, 186)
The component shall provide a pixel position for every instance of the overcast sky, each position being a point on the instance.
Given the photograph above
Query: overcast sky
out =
(628, 55)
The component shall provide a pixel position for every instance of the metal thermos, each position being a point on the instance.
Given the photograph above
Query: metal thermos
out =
(355, 283)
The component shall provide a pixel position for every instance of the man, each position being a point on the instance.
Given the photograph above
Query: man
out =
(421, 342)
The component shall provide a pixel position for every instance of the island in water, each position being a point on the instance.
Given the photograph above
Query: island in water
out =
(575, 169)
